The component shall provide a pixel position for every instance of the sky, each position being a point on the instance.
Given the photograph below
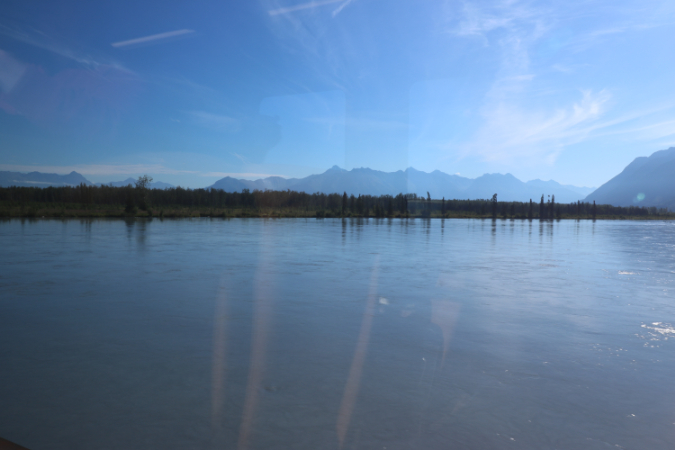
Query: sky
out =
(190, 92)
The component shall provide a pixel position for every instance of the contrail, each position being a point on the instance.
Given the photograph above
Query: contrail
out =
(154, 37)
(276, 12)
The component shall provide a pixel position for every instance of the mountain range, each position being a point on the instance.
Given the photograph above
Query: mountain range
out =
(436, 183)
(39, 179)
(647, 181)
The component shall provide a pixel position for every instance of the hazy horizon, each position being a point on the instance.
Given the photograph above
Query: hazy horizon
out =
(256, 177)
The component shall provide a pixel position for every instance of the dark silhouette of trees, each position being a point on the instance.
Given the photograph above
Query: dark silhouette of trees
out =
(143, 182)
(426, 210)
(19, 200)
(142, 185)
(542, 215)
(494, 206)
(130, 206)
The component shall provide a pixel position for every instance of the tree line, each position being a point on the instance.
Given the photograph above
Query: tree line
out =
(141, 198)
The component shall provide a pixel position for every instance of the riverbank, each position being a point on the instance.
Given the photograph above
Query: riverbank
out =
(43, 210)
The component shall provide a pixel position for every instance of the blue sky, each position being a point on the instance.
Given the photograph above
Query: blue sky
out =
(189, 92)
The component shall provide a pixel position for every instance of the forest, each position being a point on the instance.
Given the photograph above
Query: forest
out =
(140, 201)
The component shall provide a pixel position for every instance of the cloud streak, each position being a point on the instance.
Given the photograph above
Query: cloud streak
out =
(215, 121)
(510, 133)
(154, 39)
(309, 5)
(45, 42)
(341, 7)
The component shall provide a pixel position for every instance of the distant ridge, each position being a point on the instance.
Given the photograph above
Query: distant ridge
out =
(437, 183)
(355, 181)
(647, 181)
(132, 181)
(39, 179)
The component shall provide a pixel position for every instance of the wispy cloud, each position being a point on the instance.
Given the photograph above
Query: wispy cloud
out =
(512, 130)
(518, 19)
(510, 134)
(215, 121)
(513, 135)
(41, 40)
(300, 7)
(153, 39)
(337, 10)
(240, 157)
(645, 131)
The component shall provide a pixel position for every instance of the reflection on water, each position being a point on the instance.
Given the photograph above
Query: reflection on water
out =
(344, 333)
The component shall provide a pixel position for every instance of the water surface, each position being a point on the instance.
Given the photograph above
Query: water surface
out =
(327, 334)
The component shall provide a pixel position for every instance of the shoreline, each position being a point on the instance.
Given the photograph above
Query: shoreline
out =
(275, 214)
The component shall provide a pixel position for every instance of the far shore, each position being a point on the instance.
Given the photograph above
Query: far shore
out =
(40, 211)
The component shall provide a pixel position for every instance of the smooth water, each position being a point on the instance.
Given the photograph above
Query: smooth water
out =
(327, 334)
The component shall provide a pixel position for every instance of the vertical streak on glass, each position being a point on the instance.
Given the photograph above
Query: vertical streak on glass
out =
(219, 356)
(352, 387)
(444, 314)
(261, 323)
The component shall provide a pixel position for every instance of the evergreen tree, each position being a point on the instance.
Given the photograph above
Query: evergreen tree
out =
(529, 211)
(494, 206)
(390, 207)
(130, 207)
(594, 210)
(541, 208)
(344, 203)
(443, 207)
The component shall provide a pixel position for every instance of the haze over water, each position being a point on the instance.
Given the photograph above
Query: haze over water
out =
(327, 334)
